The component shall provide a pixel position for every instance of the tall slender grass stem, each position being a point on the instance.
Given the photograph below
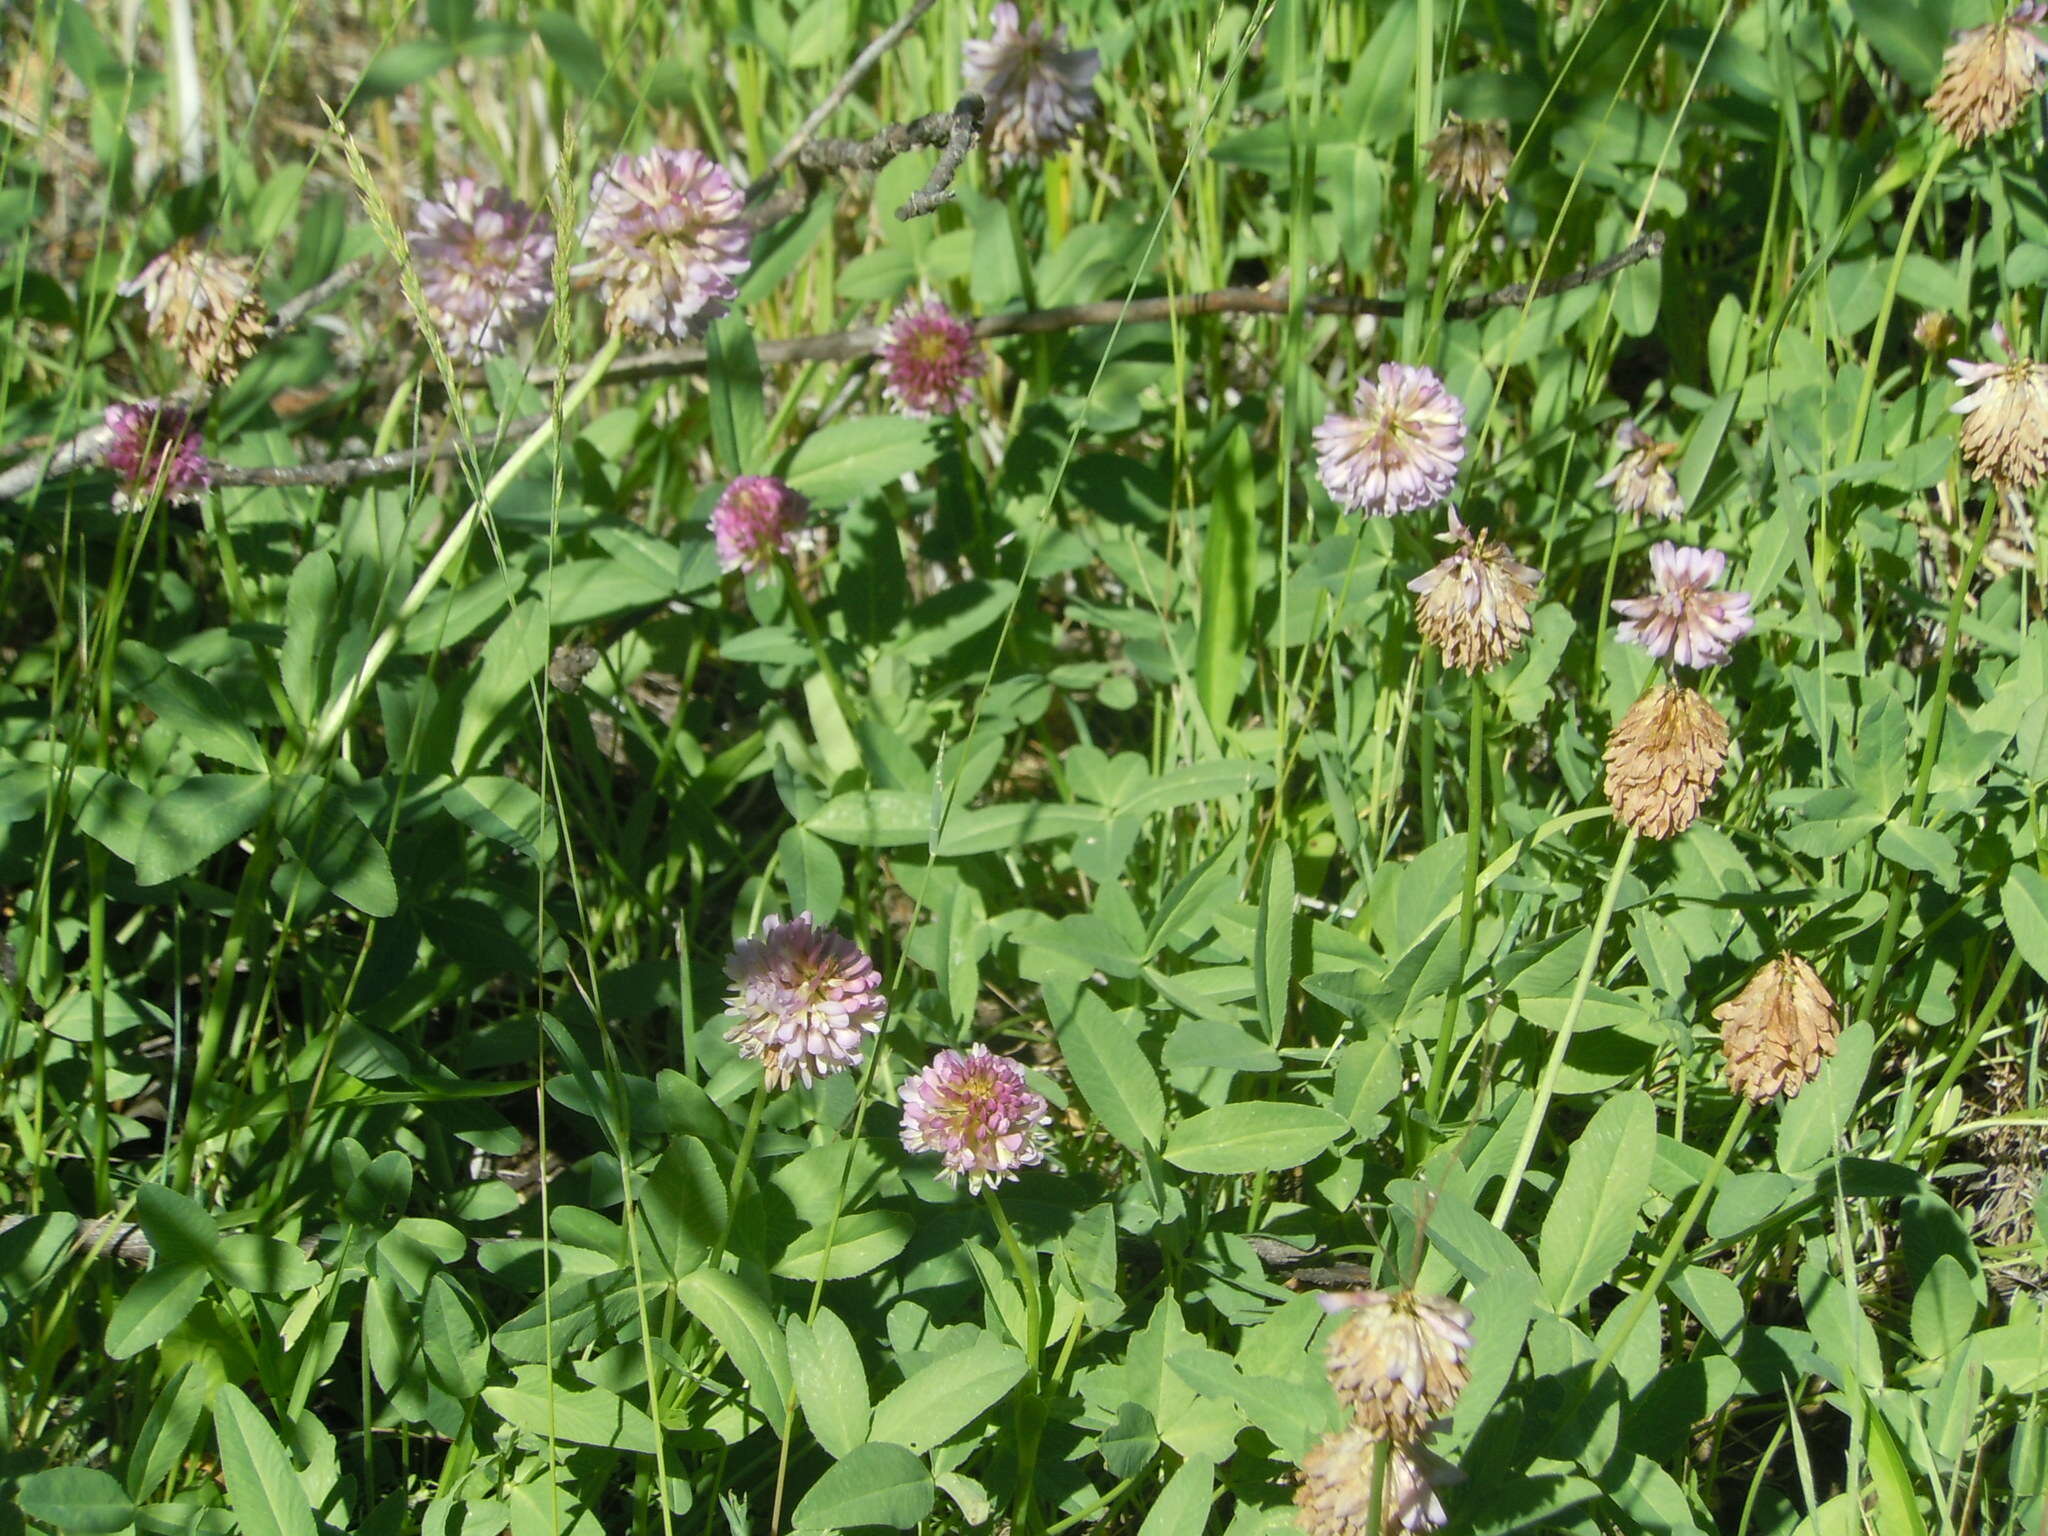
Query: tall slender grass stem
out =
(1546, 1087)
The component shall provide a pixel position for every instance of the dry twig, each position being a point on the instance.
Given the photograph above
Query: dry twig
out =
(861, 341)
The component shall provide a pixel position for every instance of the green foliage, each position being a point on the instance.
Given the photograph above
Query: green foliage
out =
(375, 840)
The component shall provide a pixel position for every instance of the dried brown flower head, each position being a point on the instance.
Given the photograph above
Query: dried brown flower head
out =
(1777, 1029)
(1473, 605)
(204, 307)
(1398, 1361)
(1935, 330)
(1987, 75)
(2005, 418)
(1335, 1496)
(1664, 759)
(1469, 161)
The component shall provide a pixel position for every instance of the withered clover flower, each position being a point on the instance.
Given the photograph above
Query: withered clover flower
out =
(1988, 74)
(1681, 617)
(976, 1111)
(1469, 161)
(1336, 1493)
(1777, 1030)
(2005, 417)
(484, 261)
(805, 997)
(929, 360)
(667, 241)
(154, 452)
(1642, 481)
(1037, 91)
(1935, 330)
(757, 519)
(1401, 449)
(1398, 1359)
(1663, 760)
(1473, 605)
(204, 307)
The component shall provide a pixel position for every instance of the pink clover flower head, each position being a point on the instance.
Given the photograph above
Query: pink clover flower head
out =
(977, 1113)
(1680, 617)
(805, 998)
(667, 241)
(484, 260)
(930, 360)
(1400, 450)
(1037, 91)
(155, 451)
(757, 518)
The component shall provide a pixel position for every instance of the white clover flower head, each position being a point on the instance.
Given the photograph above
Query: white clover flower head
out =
(805, 999)
(667, 240)
(1681, 617)
(484, 260)
(1037, 91)
(975, 1110)
(1399, 450)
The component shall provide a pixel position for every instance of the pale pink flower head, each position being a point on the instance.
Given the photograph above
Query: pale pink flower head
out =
(805, 998)
(1680, 616)
(667, 241)
(1398, 1360)
(1401, 449)
(154, 452)
(1642, 481)
(1038, 92)
(484, 261)
(930, 360)
(2005, 417)
(1337, 1480)
(977, 1113)
(757, 519)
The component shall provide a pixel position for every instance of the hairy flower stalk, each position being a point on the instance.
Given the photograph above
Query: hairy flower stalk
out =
(758, 519)
(1038, 92)
(1777, 1030)
(154, 452)
(2005, 418)
(1473, 605)
(1989, 73)
(1398, 1359)
(805, 999)
(484, 260)
(1469, 161)
(976, 1111)
(1642, 481)
(929, 360)
(1400, 450)
(204, 307)
(1664, 759)
(667, 241)
(1681, 617)
(1335, 1497)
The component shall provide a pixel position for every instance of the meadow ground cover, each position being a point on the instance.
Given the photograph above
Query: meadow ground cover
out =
(1160, 767)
